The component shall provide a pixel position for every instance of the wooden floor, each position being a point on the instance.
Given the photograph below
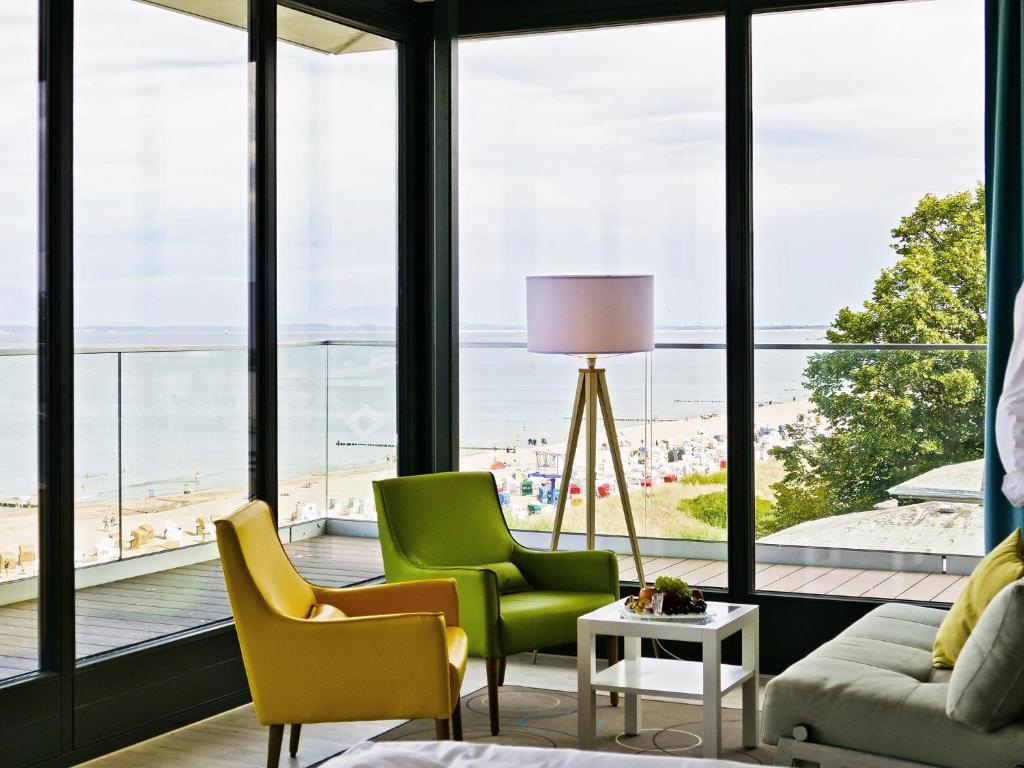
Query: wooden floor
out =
(806, 579)
(134, 610)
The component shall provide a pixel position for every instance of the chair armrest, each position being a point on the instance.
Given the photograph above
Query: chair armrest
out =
(432, 595)
(478, 602)
(362, 668)
(575, 571)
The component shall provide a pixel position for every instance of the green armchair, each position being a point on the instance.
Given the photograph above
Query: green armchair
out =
(513, 599)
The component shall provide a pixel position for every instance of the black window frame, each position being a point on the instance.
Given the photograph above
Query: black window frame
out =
(68, 712)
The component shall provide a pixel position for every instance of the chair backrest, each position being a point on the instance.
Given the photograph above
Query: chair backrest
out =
(451, 518)
(256, 568)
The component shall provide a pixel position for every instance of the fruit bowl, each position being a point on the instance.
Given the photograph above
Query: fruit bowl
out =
(670, 599)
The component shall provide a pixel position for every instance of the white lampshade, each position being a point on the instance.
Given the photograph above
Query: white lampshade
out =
(590, 314)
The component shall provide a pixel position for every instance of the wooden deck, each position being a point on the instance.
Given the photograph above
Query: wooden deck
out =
(807, 579)
(142, 608)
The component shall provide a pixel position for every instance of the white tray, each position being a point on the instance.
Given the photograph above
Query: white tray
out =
(681, 618)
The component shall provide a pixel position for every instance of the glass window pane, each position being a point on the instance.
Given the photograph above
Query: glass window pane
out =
(337, 146)
(869, 460)
(19, 467)
(161, 405)
(595, 152)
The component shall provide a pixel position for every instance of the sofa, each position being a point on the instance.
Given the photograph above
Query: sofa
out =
(871, 698)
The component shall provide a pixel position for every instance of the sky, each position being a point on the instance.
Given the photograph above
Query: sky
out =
(595, 151)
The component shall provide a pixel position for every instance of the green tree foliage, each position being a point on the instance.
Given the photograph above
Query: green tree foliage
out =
(892, 415)
(711, 508)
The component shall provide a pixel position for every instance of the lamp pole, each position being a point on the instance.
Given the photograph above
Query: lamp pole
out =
(591, 394)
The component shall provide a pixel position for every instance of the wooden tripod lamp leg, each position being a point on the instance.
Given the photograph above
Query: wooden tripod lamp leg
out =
(591, 457)
(620, 475)
(576, 420)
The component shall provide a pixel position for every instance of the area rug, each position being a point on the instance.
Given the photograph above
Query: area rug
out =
(531, 717)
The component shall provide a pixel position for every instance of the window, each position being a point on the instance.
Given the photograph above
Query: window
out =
(869, 458)
(161, 368)
(19, 466)
(598, 152)
(337, 266)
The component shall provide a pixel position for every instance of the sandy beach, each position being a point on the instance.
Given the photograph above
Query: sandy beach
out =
(173, 520)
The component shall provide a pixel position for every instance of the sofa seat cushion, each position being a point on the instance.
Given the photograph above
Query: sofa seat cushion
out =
(872, 689)
(541, 619)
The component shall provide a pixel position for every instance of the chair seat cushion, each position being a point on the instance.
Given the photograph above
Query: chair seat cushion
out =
(873, 689)
(541, 619)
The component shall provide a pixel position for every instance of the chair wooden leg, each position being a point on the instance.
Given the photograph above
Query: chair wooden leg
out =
(274, 746)
(457, 721)
(501, 670)
(492, 693)
(613, 658)
(441, 728)
(293, 739)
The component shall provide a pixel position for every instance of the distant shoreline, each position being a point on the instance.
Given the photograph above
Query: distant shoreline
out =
(311, 493)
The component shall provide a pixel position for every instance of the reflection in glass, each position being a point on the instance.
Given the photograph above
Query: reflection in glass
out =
(337, 266)
(597, 152)
(161, 371)
(19, 467)
(869, 221)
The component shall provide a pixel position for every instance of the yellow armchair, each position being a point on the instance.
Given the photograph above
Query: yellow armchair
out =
(314, 654)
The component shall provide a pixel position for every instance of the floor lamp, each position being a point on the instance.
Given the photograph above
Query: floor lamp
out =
(591, 315)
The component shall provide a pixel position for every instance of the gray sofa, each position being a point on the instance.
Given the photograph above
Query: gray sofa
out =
(870, 697)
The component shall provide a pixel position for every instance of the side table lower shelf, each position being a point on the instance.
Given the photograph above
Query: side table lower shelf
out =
(665, 677)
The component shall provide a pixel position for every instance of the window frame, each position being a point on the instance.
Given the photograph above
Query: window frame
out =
(66, 713)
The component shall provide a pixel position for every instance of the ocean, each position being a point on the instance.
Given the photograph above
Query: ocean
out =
(167, 420)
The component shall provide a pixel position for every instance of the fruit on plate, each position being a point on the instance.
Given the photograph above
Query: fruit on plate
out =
(668, 597)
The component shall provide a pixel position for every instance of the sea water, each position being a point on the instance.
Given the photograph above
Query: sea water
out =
(162, 419)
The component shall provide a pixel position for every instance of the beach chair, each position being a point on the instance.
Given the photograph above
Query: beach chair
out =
(26, 554)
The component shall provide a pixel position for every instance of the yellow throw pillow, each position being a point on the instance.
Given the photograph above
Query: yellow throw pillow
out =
(1002, 566)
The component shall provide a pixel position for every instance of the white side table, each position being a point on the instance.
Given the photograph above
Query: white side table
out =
(635, 676)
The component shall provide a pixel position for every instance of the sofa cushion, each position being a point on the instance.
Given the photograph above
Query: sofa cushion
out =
(1001, 566)
(986, 689)
(872, 689)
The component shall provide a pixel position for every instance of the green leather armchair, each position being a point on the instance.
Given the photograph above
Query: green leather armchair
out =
(513, 599)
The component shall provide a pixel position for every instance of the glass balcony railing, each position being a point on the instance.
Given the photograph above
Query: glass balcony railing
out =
(161, 448)
(870, 452)
(865, 456)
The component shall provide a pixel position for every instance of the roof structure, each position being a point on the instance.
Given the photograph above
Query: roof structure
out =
(954, 482)
(293, 26)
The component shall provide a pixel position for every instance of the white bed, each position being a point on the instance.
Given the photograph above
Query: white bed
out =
(438, 754)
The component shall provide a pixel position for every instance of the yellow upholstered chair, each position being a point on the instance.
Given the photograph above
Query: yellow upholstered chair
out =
(314, 654)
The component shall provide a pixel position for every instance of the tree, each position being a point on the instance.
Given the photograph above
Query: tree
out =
(891, 415)
(712, 508)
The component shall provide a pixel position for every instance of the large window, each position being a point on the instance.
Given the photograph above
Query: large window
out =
(588, 153)
(869, 230)
(19, 476)
(337, 266)
(160, 245)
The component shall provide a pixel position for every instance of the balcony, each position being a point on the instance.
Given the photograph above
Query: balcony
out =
(144, 534)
